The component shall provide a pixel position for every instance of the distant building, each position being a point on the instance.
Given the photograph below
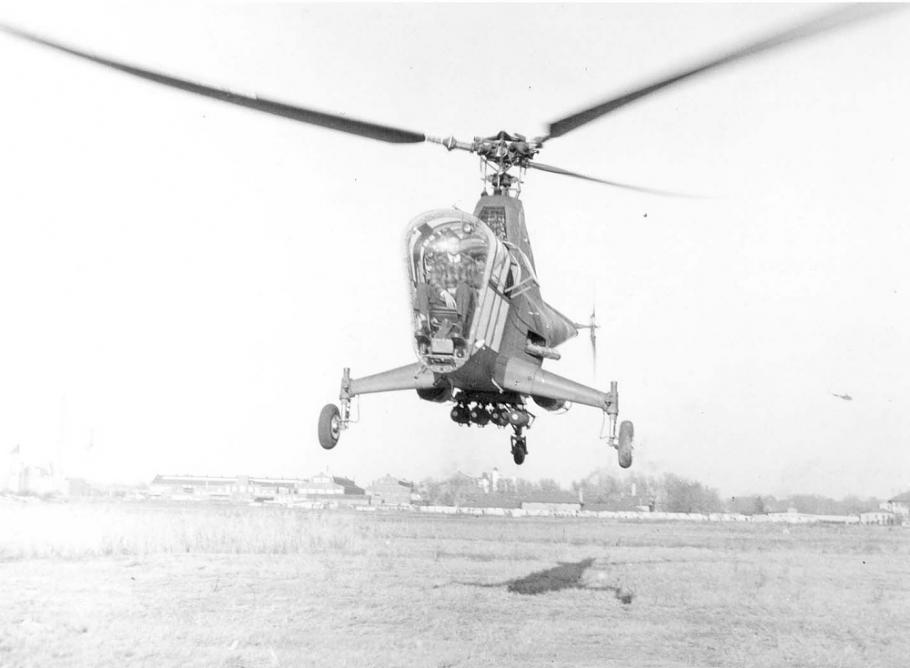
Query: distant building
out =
(328, 485)
(899, 505)
(270, 488)
(880, 517)
(321, 487)
(643, 504)
(551, 502)
(390, 491)
(484, 500)
(195, 485)
(621, 505)
(493, 482)
(332, 490)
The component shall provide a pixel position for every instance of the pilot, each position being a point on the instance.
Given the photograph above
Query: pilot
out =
(464, 304)
(434, 280)
(422, 304)
(437, 281)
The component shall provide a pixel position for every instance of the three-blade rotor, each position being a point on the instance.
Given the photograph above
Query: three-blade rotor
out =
(503, 150)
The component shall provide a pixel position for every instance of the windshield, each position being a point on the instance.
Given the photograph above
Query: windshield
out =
(448, 266)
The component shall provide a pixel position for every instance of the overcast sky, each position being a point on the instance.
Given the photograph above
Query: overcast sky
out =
(182, 282)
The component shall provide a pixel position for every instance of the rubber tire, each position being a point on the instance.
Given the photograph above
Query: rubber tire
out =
(518, 456)
(328, 436)
(624, 447)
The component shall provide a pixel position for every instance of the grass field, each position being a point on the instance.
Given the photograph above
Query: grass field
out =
(206, 585)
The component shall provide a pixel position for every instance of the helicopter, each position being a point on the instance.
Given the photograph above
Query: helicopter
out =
(481, 330)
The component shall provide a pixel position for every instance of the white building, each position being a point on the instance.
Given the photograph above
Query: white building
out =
(881, 517)
(899, 505)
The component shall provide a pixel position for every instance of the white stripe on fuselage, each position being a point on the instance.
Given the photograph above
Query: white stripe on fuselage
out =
(501, 326)
(484, 308)
(500, 306)
(501, 311)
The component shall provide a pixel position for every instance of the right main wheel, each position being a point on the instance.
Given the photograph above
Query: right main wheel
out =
(329, 426)
(624, 447)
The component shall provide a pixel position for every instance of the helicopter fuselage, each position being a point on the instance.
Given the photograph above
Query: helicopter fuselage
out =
(480, 324)
(481, 329)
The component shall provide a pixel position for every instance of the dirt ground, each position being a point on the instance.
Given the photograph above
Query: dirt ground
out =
(400, 589)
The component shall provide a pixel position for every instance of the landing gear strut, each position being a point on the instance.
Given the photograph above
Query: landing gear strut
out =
(519, 418)
(622, 440)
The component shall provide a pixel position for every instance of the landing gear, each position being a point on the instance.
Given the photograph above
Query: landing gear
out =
(481, 409)
(329, 426)
(624, 444)
(519, 449)
(332, 419)
(622, 438)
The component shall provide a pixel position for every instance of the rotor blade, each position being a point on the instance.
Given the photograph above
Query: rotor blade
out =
(820, 24)
(332, 121)
(565, 172)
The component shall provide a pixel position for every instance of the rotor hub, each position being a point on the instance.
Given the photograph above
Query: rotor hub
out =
(502, 152)
(498, 154)
(506, 150)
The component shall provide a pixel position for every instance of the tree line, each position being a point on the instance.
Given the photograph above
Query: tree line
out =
(602, 489)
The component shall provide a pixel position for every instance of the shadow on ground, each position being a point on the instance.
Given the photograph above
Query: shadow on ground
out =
(566, 575)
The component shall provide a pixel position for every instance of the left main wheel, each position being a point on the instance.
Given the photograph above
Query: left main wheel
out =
(329, 426)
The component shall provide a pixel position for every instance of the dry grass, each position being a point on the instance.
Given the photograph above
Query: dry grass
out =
(105, 585)
(78, 530)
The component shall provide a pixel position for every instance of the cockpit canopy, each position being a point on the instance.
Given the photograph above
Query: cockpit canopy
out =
(451, 261)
